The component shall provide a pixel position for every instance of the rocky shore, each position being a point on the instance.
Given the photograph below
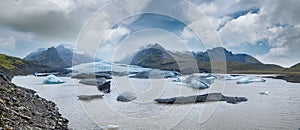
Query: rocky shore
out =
(22, 108)
(292, 78)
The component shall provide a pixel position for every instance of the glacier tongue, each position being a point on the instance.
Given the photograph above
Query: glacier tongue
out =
(107, 67)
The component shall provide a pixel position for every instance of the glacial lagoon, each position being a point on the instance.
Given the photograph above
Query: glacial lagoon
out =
(277, 110)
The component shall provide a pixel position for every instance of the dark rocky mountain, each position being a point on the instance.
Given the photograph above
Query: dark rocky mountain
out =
(155, 56)
(62, 56)
(219, 53)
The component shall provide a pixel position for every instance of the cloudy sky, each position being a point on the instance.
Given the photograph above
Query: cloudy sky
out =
(266, 29)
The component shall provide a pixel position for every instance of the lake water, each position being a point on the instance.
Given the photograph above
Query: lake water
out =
(278, 110)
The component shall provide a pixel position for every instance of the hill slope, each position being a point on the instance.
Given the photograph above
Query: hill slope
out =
(295, 67)
(15, 66)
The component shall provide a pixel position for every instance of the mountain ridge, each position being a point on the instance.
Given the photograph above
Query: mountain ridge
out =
(12, 66)
(155, 56)
(61, 56)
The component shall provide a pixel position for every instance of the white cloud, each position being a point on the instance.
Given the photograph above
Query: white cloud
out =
(277, 22)
(113, 36)
(7, 43)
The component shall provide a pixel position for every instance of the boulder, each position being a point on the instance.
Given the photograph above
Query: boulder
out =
(126, 96)
(264, 93)
(52, 79)
(105, 87)
(91, 76)
(89, 97)
(93, 81)
(210, 97)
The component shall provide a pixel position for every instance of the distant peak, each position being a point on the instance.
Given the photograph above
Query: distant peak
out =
(67, 46)
(156, 46)
(218, 49)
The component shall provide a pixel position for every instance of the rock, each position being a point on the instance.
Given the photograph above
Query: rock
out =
(264, 93)
(89, 97)
(4, 77)
(292, 78)
(91, 76)
(201, 98)
(103, 75)
(52, 79)
(93, 81)
(126, 96)
(22, 108)
(105, 88)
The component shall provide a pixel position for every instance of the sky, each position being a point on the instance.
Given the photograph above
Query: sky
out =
(269, 30)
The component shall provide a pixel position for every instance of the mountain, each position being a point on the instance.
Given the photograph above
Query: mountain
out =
(11, 66)
(295, 67)
(219, 53)
(155, 56)
(62, 56)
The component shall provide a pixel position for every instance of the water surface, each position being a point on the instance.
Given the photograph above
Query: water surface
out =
(278, 110)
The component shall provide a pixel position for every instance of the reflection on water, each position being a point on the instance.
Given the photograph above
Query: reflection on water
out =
(278, 110)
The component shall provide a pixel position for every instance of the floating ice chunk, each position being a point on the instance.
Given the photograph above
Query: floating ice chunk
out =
(246, 80)
(197, 82)
(230, 77)
(52, 79)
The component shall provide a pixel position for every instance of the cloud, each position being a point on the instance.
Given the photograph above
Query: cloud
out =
(33, 24)
(274, 22)
(47, 19)
(115, 35)
(7, 43)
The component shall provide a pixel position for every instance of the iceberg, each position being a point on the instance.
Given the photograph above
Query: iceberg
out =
(102, 66)
(230, 77)
(52, 79)
(247, 80)
(156, 74)
(197, 82)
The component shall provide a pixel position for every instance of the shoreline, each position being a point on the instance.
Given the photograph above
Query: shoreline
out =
(22, 108)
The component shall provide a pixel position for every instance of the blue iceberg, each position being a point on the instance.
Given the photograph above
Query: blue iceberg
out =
(52, 79)
(197, 82)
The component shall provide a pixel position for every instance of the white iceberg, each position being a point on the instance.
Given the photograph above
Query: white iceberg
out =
(52, 79)
(246, 80)
(197, 82)
(230, 77)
